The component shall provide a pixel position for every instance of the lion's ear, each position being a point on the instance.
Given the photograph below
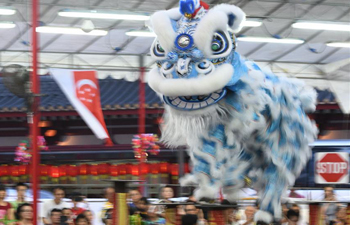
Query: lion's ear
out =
(234, 14)
(162, 24)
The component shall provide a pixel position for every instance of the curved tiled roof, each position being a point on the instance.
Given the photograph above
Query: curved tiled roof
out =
(115, 94)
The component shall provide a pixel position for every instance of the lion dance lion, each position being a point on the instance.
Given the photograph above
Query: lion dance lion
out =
(238, 121)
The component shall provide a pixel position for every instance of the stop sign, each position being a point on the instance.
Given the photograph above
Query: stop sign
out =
(332, 167)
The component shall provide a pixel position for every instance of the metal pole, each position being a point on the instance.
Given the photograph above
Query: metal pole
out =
(35, 116)
(181, 162)
(142, 100)
(142, 117)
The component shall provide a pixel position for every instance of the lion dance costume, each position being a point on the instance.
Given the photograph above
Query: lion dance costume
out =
(238, 121)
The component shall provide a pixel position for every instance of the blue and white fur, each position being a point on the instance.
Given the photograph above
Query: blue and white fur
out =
(238, 121)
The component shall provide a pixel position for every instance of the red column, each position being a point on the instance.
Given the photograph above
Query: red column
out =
(34, 118)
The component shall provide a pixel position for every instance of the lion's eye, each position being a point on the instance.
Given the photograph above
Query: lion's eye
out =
(215, 46)
(158, 50)
(219, 43)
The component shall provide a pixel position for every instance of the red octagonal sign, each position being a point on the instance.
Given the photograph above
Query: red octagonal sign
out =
(331, 167)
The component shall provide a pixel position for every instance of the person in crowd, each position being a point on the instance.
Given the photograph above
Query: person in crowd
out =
(76, 199)
(81, 220)
(295, 208)
(249, 216)
(142, 207)
(109, 195)
(293, 217)
(167, 212)
(189, 219)
(90, 216)
(230, 214)
(56, 203)
(153, 218)
(135, 197)
(24, 214)
(191, 209)
(340, 216)
(108, 217)
(285, 210)
(55, 216)
(328, 210)
(67, 212)
(21, 189)
(166, 194)
(6, 215)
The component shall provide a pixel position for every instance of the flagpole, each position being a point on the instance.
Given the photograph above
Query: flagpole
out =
(34, 116)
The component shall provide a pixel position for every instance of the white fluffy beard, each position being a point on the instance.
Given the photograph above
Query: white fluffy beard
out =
(188, 127)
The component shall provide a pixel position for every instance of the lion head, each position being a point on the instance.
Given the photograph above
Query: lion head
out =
(195, 53)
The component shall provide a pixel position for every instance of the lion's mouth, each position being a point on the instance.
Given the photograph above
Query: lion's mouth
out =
(195, 102)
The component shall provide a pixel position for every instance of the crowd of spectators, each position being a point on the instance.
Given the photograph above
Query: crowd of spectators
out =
(141, 211)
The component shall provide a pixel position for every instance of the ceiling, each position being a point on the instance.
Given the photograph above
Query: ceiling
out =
(309, 61)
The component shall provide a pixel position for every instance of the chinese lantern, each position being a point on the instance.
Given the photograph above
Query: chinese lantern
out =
(114, 171)
(4, 173)
(72, 173)
(164, 172)
(14, 173)
(135, 170)
(45, 173)
(174, 173)
(23, 173)
(103, 170)
(54, 174)
(123, 171)
(94, 172)
(84, 172)
(154, 170)
(144, 167)
(63, 174)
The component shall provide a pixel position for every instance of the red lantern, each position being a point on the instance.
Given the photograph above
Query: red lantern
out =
(84, 169)
(123, 169)
(14, 171)
(23, 170)
(72, 173)
(94, 170)
(114, 170)
(103, 169)
(72, 170)
(44, 170)
(63, 170)
(175, 169)
(154, 168)
(54, 172)
(4, 170)
(135, 170)
(164, 167)
(144, 168)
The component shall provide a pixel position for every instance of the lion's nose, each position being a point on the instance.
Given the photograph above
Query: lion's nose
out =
(182, 66)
